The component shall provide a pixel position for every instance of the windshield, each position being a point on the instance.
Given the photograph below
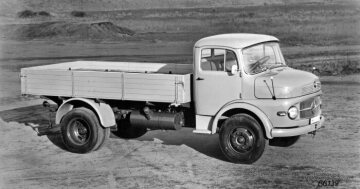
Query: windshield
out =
(262, 57)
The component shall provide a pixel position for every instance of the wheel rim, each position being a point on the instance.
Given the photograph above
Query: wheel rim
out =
(242, 140)
(79, 131)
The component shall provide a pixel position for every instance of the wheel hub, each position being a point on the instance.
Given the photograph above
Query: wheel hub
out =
(242, 139)
(79, 132)
(82, 130)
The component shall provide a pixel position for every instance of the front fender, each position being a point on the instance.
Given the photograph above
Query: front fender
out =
(102, 110)
(242, 105)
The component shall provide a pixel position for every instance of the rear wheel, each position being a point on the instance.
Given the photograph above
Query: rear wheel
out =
(242, 139)
(106, 133)
(81, 131)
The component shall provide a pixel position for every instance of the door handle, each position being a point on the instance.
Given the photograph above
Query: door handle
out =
(199, 78)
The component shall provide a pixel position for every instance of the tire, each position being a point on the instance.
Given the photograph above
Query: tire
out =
(284, 141)
(106, 136)
(242, 139)
(126, 131)
(81, 131)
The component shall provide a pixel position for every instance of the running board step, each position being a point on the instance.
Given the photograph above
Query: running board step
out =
(202, 131)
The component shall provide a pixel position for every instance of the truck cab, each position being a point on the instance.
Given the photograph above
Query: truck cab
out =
(243, 79)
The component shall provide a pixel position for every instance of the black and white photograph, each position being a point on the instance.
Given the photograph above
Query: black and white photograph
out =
(179, 94)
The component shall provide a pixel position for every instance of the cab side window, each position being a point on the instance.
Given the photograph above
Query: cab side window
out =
(217, 60)
(230, 60)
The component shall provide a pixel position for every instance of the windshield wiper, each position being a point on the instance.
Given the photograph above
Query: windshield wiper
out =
(277, 65)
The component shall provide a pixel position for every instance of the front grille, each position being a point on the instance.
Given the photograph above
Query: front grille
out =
(310, 107)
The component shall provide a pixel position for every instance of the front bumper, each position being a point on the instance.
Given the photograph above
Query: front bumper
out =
(283, 132)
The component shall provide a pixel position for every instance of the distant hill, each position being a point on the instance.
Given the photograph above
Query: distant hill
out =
(69, 30)
(11, 6)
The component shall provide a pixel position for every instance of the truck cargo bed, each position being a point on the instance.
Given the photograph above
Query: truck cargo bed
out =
(154, 82)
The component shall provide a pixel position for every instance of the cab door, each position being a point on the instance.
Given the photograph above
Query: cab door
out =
(215, 85)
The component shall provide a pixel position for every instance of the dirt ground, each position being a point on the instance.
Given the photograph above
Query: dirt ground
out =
(319, 33)
(181, 159)
(169, 159)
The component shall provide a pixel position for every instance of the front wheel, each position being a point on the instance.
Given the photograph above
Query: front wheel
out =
(242, 139)
(81, 131)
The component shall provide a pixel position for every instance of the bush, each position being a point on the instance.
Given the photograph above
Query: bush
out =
(43, 13)
(30, 14)
(251, 14)
(330, 67)
(340, 67)
(78, 14)
(26, 14)
(246, 15)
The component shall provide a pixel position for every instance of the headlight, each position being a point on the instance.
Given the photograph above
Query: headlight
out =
(293, 112)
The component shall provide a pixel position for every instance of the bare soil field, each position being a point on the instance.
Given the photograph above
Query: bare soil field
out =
(324, 34)
(169, 159)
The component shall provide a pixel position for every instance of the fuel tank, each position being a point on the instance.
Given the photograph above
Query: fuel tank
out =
(157, 120)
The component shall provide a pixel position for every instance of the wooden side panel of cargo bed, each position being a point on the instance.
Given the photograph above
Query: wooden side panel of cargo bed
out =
(167, 88)
(149, 87)
(106, 85)
(47, 82)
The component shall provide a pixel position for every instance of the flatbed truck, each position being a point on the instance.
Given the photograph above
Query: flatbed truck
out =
(238, 86)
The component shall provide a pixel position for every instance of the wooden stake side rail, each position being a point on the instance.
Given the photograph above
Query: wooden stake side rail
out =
(74, 80)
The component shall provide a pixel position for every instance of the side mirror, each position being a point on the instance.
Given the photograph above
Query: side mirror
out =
(234, 69)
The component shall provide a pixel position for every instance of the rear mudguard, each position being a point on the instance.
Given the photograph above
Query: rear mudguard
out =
(102, 110)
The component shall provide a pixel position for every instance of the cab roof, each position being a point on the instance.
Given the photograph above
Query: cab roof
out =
(235, 40)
